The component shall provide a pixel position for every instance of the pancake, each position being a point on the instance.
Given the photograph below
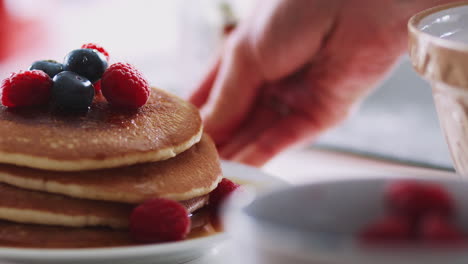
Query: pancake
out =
(25, 206)
(39, 236)
(105, 137)
(190, 174)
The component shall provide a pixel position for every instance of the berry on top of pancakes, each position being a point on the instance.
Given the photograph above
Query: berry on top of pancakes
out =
(72, 85)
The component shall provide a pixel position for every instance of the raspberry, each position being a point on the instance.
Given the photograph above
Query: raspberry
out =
(123, 85)
(437, 229)
(98, 48)
(438, 200)
(222, 191)
(388, 229)
(26, 88)
(97, 87)
(405, 197)
(159, 220)
(416, 199)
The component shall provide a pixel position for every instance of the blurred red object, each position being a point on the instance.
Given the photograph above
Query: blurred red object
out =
(16, 33)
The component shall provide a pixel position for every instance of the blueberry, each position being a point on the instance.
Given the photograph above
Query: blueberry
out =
(71, 92)
(50, 67)
(88, 63)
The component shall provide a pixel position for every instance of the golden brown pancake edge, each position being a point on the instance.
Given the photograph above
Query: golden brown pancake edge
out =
(106, 137)
(193, 173)
(33, 207)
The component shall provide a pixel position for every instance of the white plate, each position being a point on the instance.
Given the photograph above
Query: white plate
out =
(321, 222)
(176, 252)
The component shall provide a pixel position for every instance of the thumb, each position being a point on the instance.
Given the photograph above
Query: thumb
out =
(233, 91)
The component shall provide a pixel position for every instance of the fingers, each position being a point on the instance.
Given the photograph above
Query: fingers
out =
(233, 92)
(272, 126)
(278, 40)
(288, 34)
(285, 132)
(349, 61)
(260, 119)
(201, 93)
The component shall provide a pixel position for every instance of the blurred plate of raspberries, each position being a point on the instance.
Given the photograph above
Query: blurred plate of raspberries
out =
(397, 219)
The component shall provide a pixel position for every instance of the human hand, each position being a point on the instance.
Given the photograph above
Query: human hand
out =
(296, 68)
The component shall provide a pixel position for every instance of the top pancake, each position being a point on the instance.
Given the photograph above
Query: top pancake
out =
(105, 137)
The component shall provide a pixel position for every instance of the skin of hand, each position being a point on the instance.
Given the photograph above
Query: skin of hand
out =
(296, 68)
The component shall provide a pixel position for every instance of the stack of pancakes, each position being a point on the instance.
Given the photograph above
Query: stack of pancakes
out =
(73, 180)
